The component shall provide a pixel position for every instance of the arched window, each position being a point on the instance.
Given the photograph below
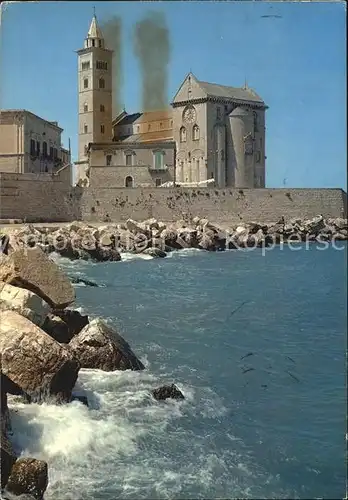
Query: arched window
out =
(129, 181)
(256, 122)
(85, 107)
(195, 132)
(101, 83)
(102, 108)
(85, 129)
(183, 134)
(85, 83)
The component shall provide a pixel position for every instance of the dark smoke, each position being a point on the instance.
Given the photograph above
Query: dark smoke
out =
(112, 32)
(152, 48)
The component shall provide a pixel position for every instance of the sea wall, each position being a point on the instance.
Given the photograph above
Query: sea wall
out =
(39, 197)
(50, 198)
(218, 205)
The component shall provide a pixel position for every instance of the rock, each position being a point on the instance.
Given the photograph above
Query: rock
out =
(207, 243)
(8, 458)
(28, 476)
(152, 224)
(169, 236)
(340, 236)
(56, 328)
(31, 269)
(78, 397)
(187, 238)
(77, 280)
(74, 319)
(155, 252)
(134, 227)
(4, 243)
(339, 223)
(104, 254)
(99, 346)
(26, 303)
(39, 365)
(167, 391)
(5, 414)
(314, 225)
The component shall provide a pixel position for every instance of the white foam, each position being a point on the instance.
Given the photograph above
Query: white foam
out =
(127, 256)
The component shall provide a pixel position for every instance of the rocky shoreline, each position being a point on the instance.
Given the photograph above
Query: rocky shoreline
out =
(43, 345)
(79, 240)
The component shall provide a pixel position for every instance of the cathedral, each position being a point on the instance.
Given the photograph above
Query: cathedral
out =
(210, 134)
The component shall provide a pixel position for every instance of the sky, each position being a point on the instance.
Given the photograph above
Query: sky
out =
(296, 62)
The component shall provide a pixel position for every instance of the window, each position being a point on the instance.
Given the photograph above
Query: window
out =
(44, 148)
(129, 159)
(256, 124)
(129, 131)
(218, 113)
(108, 160)
(161, 125)
(195, 133)
(158, 182)
(93, 43)
(258, 156)
(149, 127)
(85, 83)
(85, 129)
(55, 153)
(32, 147)
(85, 108)
(129, 181)
(102, 108)
(102, 129)
(85, 65)
(37, 148)
(159, 160)
(101, 65)
(51, 152)
(101, 83)
(183, 134)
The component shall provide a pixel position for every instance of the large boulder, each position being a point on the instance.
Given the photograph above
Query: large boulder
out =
(30, 268)
(8, 458)
(25, 302)
(99, 346)
(39, 365)
(28, 476)
(155, 252)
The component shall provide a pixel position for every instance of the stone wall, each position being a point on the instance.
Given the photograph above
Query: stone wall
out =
(39, 197)
(50, 198)
(224, 205)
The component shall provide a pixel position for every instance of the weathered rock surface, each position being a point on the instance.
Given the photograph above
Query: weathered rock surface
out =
(26, 303)
(99, 346)
(155, 252)
(8, 458)
(63, 324)
(167, 391)
(28, 476)
(31, 269)
(39, 365)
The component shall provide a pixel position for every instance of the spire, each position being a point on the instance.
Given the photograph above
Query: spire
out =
(94, 36)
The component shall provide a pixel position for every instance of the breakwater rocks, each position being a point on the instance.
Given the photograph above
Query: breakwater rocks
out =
(43, 345)
(80, 240)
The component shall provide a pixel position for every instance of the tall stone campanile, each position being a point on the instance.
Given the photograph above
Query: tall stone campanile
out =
(95, 90)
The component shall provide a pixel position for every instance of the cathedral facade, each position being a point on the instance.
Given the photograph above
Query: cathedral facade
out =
(210, 134)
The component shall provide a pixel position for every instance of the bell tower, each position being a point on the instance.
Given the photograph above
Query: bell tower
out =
(95, 90)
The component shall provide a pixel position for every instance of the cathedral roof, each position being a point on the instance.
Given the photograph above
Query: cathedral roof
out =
(216, 90)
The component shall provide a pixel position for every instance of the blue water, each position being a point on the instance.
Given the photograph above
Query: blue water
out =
(259, 434)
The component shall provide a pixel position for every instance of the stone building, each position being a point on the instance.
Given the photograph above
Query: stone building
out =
(209, 133)
(30, 144)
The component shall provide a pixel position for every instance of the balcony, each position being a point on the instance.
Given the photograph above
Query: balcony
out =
(158, 168)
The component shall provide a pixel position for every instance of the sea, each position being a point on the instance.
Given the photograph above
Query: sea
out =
(255, 340)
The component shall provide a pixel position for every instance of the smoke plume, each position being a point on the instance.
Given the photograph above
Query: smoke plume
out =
(152, 48)
(112, 32)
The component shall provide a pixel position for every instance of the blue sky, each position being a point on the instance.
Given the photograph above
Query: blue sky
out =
(296, 63)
